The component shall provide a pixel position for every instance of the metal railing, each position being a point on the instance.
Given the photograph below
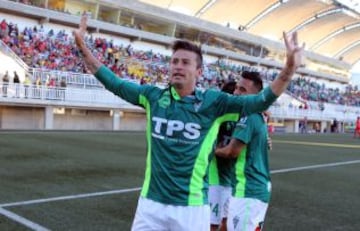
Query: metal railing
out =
(7, 50)
(284, 112)
(73, 79)
(101, 98)
(67, 97)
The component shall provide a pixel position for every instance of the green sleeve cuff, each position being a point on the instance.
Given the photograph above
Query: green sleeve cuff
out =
(269, 94)
(108, 78)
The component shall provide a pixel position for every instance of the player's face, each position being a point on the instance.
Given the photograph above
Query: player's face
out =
(183, 69)
(245, 87)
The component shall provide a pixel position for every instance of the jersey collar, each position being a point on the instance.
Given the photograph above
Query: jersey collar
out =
(197, 94)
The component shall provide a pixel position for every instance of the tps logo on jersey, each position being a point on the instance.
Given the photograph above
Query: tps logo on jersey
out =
(189, 130)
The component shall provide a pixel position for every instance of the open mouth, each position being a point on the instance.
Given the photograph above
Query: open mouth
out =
(178, 75)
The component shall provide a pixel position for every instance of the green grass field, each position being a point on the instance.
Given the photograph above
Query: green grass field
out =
(50, 179)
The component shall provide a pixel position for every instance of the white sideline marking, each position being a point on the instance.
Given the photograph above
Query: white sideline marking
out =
(314, 166)
(37, 227)
(38, 201)
(22, 220)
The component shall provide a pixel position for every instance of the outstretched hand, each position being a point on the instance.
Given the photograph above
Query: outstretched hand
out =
(80, 32)
(91, 63)
(294, 56)
(294, 52)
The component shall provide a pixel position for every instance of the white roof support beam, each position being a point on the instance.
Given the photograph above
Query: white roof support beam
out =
(333, 34)
(265, 12)
(346, 49)
(316, 17)
(205, 8)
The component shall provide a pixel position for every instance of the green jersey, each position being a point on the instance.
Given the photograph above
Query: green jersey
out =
(251, 178)
(181, 133)
(221, 168)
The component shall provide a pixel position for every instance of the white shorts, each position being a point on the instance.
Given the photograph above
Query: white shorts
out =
(219, 197)
(155, 216)
(246, 214)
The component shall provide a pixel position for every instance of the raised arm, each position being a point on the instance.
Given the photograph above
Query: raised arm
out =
(127, 90)
(90, 61)
(293, 60)
(262, 101)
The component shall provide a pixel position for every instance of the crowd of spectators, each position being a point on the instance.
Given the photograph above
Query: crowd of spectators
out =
(308, 89)
(56, 50)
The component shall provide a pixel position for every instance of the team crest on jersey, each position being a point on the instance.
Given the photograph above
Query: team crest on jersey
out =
(164, 101)
(197, 105)
(242, 122)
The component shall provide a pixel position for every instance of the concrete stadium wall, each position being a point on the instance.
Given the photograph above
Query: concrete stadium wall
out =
(74, 119)
(40, 118)
(21, 118)
(289, 126)
(133, 121)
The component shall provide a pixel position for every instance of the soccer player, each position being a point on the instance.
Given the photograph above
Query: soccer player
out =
(182, 126)
(357, 127)
(219, 174)
(250, 177)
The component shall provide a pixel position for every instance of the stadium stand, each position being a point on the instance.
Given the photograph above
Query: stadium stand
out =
(38, 44)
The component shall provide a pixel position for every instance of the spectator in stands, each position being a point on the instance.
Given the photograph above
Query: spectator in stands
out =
(4, 30)
(51, 85)
(16, 81)
(5, 81)
(181, 119)
(16, 78)
(251, 183)
(27, 83)
(62, 88)
(306, 106)
(37, 90)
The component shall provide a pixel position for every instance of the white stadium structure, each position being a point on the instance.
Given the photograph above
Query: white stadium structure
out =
(238, 34)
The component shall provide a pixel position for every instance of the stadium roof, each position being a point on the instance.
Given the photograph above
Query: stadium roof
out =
(331, 28)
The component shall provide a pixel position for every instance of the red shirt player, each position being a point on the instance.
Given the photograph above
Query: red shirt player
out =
(357, 127)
